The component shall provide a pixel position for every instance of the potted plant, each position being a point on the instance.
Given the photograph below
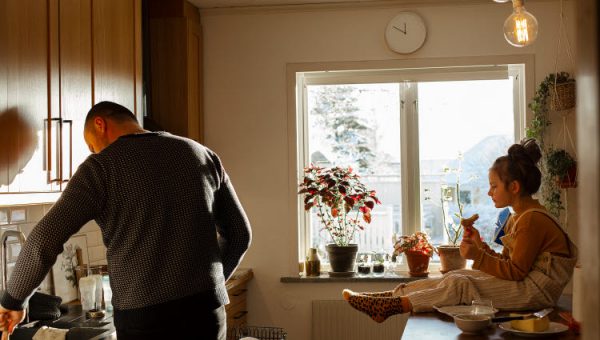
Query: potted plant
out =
(418, 251)
(563, 167)
(450, 258)
(343, 203)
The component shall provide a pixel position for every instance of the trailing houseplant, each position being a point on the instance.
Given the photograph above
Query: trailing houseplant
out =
(545, 94)
(563, 167)
(343, 204)
(418, 250)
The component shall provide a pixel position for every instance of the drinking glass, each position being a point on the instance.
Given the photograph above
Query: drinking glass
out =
(482, 306)
(300, 268)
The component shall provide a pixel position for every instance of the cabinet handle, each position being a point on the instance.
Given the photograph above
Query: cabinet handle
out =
(70, 122)
(239, 292)
(240, 314)
(49, 158)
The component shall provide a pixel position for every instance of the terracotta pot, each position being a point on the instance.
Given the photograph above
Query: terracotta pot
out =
(418, 263)
(450, 258)
(342, 258)
(570, 179)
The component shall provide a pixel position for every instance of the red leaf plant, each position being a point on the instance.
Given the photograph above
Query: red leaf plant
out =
(417, 242)
(340, 199)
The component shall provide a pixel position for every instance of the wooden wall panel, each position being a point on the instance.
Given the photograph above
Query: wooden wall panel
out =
(588, 144)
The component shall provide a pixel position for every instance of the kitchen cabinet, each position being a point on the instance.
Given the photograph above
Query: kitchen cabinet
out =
(61, 57)
(175, 63)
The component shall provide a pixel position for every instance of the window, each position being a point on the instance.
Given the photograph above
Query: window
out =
(423, 139)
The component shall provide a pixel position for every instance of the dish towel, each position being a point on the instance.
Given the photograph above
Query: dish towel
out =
(48, 333)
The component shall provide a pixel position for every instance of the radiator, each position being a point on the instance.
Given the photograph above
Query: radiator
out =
(337, 320)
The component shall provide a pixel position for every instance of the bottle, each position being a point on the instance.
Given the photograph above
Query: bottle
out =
(313, 263)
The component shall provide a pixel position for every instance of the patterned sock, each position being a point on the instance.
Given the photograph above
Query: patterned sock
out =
(378, 308)
(347, 292)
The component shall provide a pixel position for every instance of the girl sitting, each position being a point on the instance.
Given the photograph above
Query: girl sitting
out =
(535, 265)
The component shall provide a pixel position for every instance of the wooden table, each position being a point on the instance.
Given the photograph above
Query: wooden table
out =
(435, 325)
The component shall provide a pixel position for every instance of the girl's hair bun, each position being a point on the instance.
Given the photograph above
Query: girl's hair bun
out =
(527, 149)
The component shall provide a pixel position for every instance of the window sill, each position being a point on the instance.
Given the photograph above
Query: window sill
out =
(395, 277)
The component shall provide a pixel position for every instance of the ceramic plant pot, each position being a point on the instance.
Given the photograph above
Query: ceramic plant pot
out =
(418, 263)
(342, 258)
(450, 258)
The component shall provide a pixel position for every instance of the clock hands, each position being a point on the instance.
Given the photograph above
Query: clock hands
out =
(401, 30)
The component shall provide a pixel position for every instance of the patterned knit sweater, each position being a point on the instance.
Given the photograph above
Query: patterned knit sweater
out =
(169, 216)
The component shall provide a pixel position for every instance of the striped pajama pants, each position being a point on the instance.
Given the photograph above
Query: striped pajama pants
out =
(463, 286)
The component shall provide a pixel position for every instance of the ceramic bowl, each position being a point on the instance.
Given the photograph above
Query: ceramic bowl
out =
(472, 323)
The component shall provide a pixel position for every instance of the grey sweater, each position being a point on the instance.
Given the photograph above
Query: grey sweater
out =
(169, 216)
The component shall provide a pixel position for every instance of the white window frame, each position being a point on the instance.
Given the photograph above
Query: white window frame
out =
(301, 75)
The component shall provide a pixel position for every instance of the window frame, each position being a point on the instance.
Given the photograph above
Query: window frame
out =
(406, 73)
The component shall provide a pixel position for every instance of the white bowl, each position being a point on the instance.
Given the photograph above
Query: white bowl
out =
(472, 323)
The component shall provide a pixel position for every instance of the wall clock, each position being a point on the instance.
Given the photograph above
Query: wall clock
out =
(405, 33)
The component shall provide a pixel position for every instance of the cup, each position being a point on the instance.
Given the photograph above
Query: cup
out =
(87, 292)
(300, 268)
(107, 293)
(482, 307)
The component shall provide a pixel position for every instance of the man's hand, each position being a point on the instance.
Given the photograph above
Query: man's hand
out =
(468, 249)
(9, 319)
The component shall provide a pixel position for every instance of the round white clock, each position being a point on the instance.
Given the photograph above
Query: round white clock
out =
(405, 33)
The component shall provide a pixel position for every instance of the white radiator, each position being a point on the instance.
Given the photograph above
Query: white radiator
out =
(337, 320)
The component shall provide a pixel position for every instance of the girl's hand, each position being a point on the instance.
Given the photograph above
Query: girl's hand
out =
(468, 249)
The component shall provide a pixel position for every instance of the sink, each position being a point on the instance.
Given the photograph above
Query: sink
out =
(75, 333)
(78, 330)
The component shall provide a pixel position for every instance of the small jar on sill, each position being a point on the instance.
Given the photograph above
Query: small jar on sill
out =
(313, 263)
(363, 266)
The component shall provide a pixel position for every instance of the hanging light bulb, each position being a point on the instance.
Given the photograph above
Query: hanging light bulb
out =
(521, 27)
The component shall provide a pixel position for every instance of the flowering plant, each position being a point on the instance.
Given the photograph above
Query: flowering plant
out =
(340, 198)
(417, 242)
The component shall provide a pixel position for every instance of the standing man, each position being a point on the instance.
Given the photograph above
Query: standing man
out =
(171, 221)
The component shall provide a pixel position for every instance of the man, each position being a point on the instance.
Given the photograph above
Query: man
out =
(170, 219)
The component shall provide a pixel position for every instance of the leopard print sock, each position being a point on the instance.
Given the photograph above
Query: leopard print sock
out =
(347, 293)
(379, 308)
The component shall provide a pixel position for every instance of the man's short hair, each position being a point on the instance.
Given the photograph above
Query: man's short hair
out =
(110, 110)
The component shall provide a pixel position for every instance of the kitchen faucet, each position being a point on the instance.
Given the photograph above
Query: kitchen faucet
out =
(4, 258)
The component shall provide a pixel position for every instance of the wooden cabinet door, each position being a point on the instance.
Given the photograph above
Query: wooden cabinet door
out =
(57, 59)
(116, 52)
(75, 41)
(25, 165)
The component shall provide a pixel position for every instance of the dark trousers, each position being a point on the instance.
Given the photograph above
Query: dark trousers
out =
(194, 317)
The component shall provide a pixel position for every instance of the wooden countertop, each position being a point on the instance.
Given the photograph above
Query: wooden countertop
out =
(426, 326)
(241, 276)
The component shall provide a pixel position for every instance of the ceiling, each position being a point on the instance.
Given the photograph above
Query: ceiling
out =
(205, 4)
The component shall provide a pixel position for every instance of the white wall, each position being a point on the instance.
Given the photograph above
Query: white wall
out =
(246, 53)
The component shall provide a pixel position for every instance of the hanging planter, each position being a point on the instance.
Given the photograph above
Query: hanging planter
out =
(562, 95)
(569, 180)
(563, 167)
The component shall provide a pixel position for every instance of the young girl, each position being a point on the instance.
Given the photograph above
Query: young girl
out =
(535, 265)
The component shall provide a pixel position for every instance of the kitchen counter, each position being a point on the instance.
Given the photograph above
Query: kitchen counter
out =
(80, 327)
(83, 328)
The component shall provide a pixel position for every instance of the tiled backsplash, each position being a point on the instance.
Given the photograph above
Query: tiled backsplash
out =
(25, 218)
